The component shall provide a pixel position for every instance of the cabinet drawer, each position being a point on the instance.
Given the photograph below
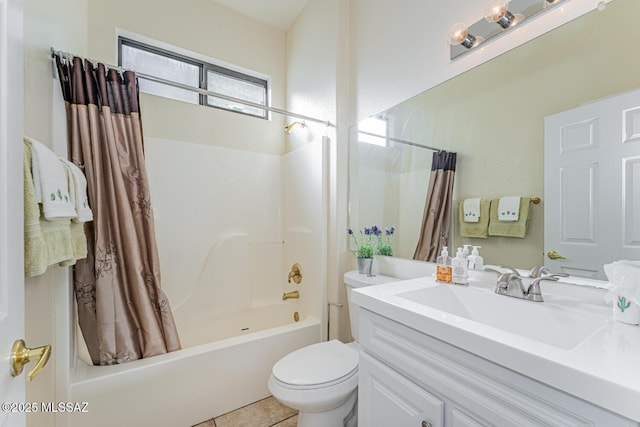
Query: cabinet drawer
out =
(388, 399)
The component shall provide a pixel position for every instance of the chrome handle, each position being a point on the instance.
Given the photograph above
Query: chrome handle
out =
(21, 355)
(513, 270)
(555, 255)
(426, 423)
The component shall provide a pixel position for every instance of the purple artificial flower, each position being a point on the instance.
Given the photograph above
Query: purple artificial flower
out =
(367, 231)
(350, 231)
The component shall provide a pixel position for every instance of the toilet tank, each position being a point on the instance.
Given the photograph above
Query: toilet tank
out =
(354, 280)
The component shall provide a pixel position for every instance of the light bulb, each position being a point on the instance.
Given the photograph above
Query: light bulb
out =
(497, 11)
(459, 34)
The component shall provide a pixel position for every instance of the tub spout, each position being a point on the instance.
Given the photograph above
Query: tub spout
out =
(290, 295)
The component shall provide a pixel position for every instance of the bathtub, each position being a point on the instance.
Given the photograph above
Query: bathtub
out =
(221, 367)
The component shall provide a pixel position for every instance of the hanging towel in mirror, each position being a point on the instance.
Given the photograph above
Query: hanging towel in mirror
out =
(478, 229)
(509, 208)
(518, 228)
(471, 208)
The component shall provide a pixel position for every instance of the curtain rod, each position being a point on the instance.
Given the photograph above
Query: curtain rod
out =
(65, 55)
(400, 141)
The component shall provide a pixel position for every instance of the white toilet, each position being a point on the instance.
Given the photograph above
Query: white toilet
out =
(321, 380)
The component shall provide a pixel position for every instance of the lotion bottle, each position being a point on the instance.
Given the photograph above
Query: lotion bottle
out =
(443, 267)
(476, 262)
(460, 269)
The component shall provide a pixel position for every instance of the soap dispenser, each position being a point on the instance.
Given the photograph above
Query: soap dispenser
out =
(443, 267)
(460, 269)
(465, 251)
(476, 262)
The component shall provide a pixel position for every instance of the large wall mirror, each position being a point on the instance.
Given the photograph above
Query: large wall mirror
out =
(493, 117)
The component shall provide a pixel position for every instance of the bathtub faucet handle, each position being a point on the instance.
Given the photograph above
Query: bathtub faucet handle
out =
(295, 274)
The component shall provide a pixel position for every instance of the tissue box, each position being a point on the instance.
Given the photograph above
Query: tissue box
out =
(626, 311)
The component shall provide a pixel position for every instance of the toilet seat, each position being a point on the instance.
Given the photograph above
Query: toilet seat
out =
(316, 366)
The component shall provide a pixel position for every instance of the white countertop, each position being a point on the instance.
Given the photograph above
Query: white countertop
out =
(603, 369)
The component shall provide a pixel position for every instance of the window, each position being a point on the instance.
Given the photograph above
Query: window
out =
(193, 72)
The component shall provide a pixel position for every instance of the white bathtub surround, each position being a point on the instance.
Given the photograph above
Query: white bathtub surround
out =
(250, 217)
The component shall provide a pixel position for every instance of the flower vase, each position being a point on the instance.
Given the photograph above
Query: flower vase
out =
(364, 266)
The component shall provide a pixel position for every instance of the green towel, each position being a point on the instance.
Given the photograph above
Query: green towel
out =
(35, 248)
(478, 229)
(518, 228)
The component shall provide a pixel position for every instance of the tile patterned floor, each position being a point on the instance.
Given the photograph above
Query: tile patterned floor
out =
(263, 413)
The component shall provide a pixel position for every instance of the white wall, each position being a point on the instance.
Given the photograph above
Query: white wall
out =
(312, 79)
(401, 48)
(48, 24)
(201, 27)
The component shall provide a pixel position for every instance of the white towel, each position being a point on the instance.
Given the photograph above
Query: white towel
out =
(509, 208)
(50, 182)
(78, 191)
(471, 209)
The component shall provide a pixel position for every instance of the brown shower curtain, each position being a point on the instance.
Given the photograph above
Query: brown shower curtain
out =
(436, 220)
(123, 313)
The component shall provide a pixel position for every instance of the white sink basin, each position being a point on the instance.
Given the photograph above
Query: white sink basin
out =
(553, 324)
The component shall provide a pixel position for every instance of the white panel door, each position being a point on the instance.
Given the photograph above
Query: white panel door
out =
(11, 229)
(592, 185)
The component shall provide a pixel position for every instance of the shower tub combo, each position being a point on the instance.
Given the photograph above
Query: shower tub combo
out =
(224, 272)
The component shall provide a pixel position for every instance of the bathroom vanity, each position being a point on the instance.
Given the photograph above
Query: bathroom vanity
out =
(442, 355)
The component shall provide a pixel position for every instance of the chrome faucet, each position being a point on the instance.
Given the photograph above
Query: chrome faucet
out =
(290, 295)
(510, 284)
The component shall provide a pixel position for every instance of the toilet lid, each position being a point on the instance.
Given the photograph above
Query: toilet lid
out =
(317, 364)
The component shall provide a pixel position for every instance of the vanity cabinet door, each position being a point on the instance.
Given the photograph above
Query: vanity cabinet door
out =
(389, 399)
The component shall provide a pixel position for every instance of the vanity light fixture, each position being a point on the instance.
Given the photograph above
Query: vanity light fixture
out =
(498, 11)
(459, 34)
(289, 128)
(506, 13)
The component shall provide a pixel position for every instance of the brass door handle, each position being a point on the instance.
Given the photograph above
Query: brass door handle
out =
(21, 355)
(555, 255)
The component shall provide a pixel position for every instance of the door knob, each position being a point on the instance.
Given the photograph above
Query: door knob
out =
(555, 255)
(21, 355)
